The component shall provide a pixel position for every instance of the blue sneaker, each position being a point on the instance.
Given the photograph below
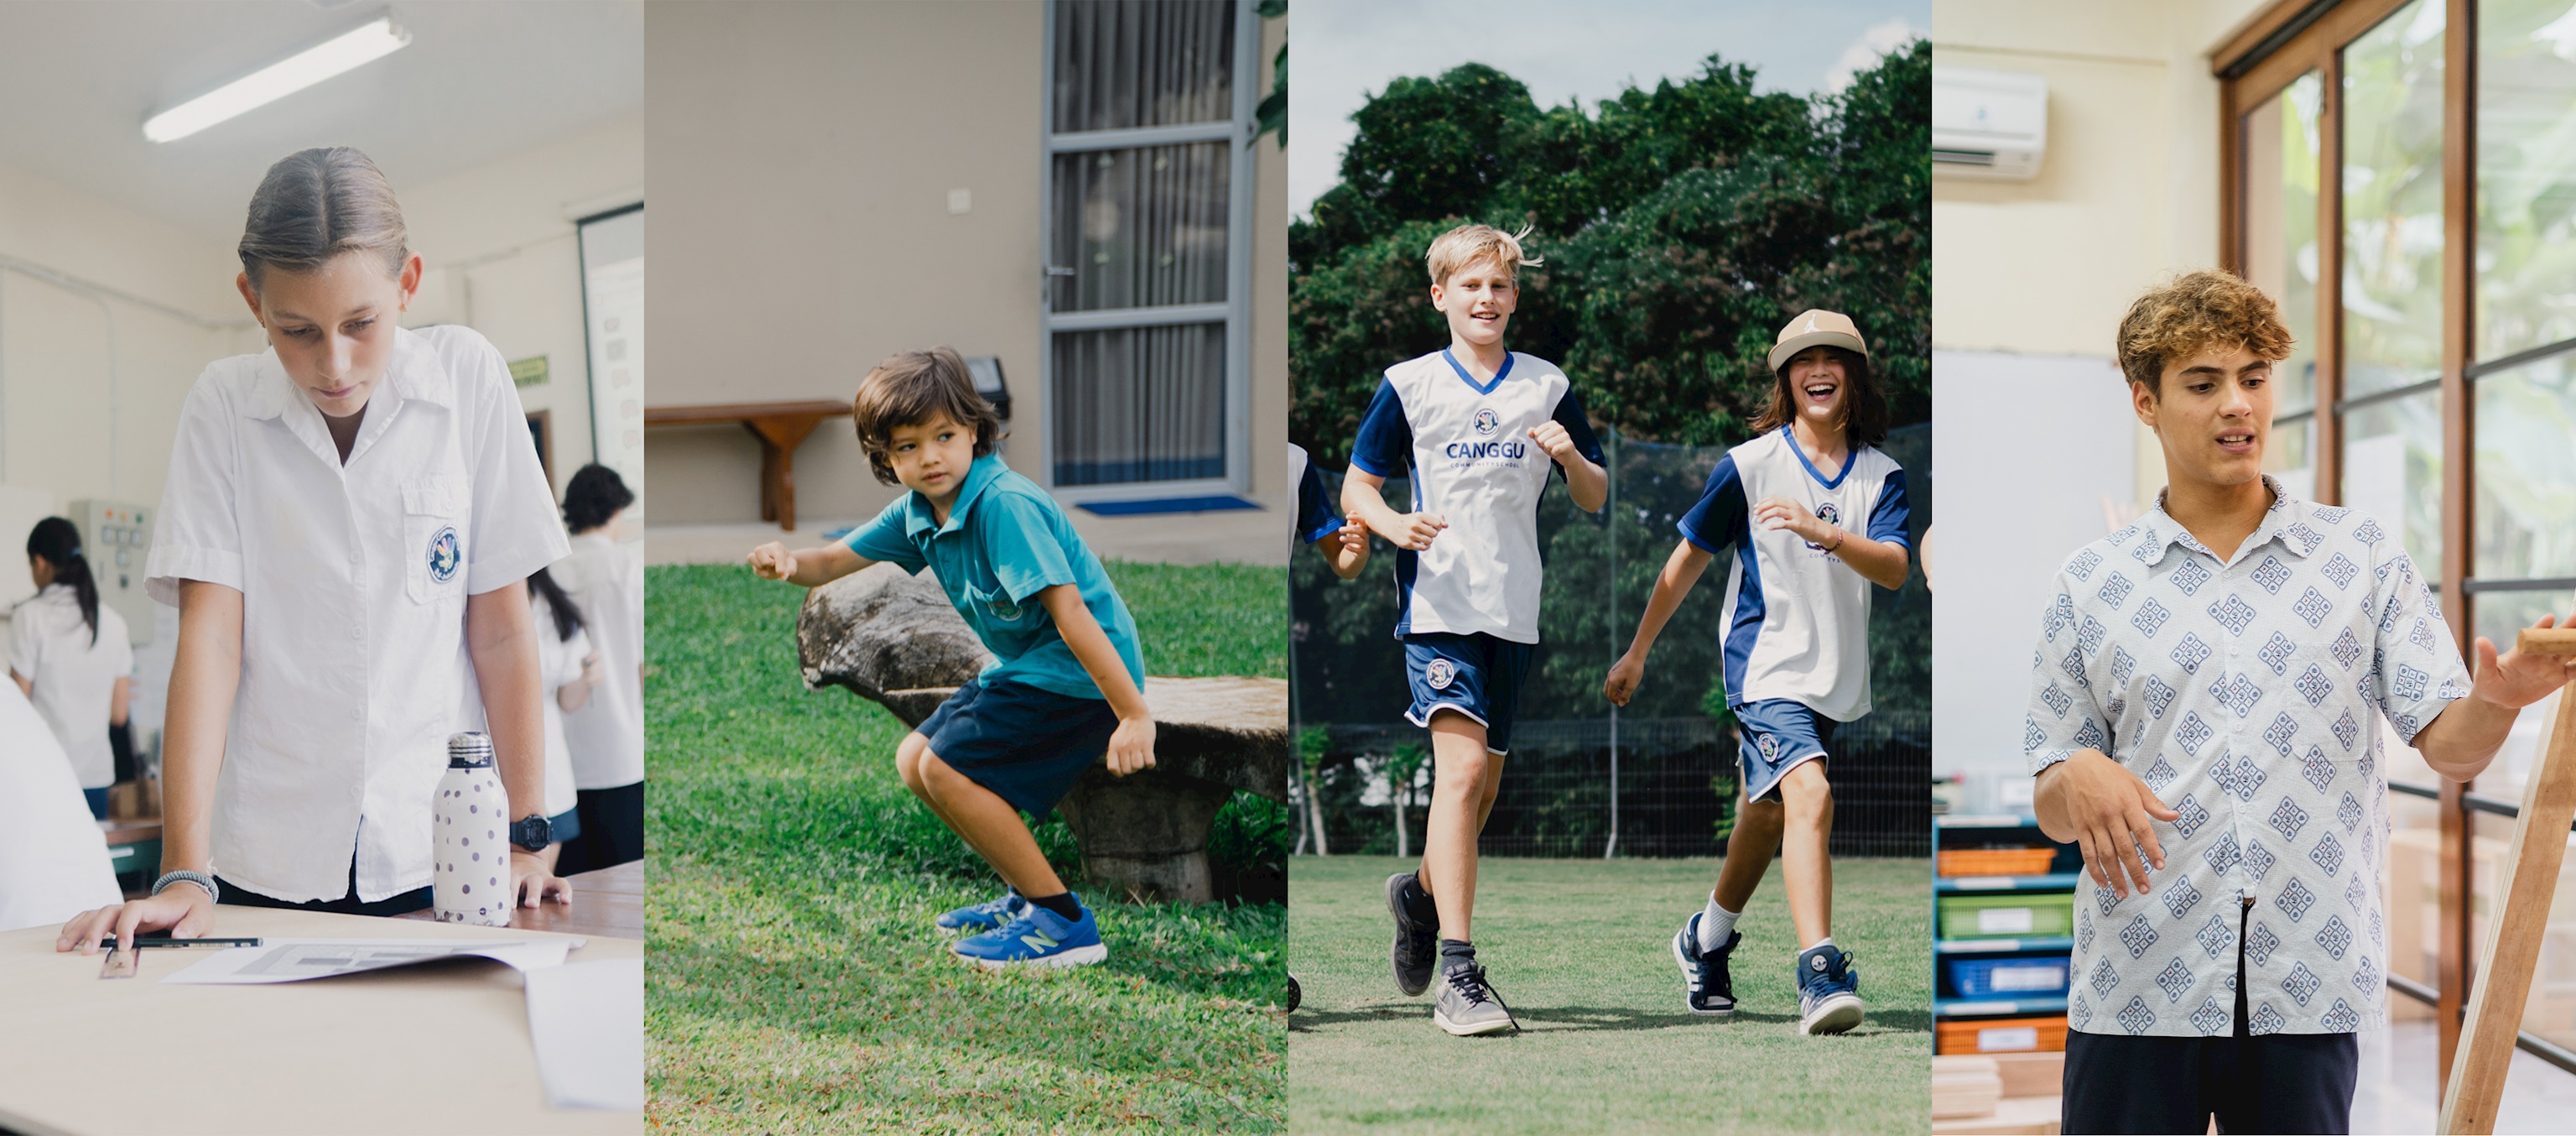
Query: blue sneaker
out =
(1705, 986)
(1828, 991)
(985, 916)
(1037, 935)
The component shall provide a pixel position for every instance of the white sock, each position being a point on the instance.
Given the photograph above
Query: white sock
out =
(1827, 941)
(1714, 925)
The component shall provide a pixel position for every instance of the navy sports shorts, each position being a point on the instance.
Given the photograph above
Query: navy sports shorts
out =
(1476, 675)
(1774, 736)
(1026, 745)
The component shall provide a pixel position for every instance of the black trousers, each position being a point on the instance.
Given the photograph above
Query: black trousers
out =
(2282, 1082)
(410, 901)
(612, 830)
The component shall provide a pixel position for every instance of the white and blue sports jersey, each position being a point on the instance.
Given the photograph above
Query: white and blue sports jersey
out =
(1318, 516)
(1472, 464)
(1797, 618)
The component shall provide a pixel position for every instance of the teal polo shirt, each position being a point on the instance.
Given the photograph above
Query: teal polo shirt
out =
(1004, 541)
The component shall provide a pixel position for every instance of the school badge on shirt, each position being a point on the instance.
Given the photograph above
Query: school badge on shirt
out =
(1828, 514)
(445, 552)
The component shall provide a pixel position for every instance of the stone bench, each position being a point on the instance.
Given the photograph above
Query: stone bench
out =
(892, 638)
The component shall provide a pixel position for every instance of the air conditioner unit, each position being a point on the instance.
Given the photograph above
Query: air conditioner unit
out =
(1988, 125)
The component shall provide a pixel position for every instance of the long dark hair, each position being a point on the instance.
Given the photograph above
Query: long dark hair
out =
(1864, 402)
(59, 543)
(567, 616)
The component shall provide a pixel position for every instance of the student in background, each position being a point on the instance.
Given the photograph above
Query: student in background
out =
(53, 858)
(606, 581)
(567, 670)
(71, 658)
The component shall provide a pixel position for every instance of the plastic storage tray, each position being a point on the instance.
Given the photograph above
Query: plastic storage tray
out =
(2008, 977)
(2007, 915)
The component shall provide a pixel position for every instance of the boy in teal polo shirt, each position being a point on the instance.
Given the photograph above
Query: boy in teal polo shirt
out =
(1066, 685)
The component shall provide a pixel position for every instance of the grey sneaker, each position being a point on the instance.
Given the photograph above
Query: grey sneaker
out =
(1417, 945)
(1467, 1006)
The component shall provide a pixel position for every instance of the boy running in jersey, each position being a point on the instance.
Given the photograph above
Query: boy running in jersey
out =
(1477, 428)
(1797, 642)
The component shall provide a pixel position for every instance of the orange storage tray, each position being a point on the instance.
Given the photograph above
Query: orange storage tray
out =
(1997, 861)
(2000, 1035)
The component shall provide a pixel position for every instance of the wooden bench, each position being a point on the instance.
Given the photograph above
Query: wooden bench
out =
(780, 426)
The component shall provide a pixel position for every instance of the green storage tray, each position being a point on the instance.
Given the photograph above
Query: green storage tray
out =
(2007, 915)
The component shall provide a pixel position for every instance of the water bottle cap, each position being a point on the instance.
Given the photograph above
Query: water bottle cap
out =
(469, 751)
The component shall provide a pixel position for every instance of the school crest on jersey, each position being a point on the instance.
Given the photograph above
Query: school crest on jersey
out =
(1828, 514)
(446, 551)
(1487, 422)
(1440, 673)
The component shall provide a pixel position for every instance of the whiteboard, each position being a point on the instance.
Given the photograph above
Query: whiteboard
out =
(2032, 446)
(612, 302)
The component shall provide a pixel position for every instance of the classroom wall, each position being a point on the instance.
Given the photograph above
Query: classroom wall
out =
(504, 258)
(801, 157)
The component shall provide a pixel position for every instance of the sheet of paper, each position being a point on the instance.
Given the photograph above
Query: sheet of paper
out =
(587, 1020)
(294, 960)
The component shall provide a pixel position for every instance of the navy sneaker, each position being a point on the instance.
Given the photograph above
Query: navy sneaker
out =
(1828, 991)
(986, 915)
(1705, 986)
(1417, 944)
(1038, 936)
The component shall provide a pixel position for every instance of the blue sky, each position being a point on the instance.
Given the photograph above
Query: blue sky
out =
(1345, 50)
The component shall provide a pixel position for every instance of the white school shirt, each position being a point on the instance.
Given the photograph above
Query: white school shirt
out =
(607, 736)
(53, 857)
(354, 578)
(558, 665)
(2245, 691)
(1797, 617)
(1473, 465)
(74, 675)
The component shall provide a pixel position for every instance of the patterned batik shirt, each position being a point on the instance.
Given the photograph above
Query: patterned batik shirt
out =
(2242, 691)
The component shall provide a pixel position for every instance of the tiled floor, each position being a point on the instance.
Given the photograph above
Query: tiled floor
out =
(2396, 1091)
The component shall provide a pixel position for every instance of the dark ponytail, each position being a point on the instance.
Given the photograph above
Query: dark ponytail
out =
(60, 544)
(567, 616)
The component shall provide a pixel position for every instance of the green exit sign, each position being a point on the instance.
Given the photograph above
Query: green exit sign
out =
(528, 372)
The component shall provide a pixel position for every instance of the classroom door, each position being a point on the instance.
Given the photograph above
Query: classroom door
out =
(1147, 235)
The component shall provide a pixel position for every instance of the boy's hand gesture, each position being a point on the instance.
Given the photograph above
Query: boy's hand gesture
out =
(2111, 812)
(1417, 532)
(1132, 747)
(1551, 436)
(772, 561)
(2515, 680)
(1776, 513)
(1625, 675)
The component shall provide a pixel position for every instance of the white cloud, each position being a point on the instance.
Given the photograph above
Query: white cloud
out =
(1865, 52)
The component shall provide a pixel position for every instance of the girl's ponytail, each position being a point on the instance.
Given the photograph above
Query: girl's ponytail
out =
(567, 616)
(59, 543)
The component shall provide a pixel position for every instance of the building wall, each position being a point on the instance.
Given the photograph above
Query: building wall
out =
(801, 160)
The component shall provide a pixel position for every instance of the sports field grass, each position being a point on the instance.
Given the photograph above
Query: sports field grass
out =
(1581, 952)
(796, 982)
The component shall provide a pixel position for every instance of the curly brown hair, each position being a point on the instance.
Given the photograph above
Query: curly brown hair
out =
(2192, 313)
(913, 387)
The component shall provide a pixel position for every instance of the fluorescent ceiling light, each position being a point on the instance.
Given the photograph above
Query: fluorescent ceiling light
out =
(369, 42)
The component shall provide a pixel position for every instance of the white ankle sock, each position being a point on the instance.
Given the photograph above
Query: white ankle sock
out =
(1827, 941)
(1715, 924)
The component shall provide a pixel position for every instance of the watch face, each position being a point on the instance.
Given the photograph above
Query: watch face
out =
(532, 833)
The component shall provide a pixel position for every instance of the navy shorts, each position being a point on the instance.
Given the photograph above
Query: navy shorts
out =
(1028, 746)
(1774, 736)
(1476, 675)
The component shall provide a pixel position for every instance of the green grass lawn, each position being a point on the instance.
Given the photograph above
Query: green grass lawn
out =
(1581, 951)
(796, 982)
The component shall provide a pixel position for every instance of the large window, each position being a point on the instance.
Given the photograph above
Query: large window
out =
(1147, 242)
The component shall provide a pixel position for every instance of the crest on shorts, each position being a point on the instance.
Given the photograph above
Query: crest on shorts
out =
(1486, 421)
(1770, 746)
(445, 553)
(1828, 514)
(1441, 673)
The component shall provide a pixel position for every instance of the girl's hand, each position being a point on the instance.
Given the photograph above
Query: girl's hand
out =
(1417, 532)
(772, 561)
(183, 908)
(531, 881)
(591, 676)
(1132, 747)
(1551, 437)
(1354, 535)
(1776, 513)
(1625, 675)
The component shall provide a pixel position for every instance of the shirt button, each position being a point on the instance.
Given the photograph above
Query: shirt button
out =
(357, 633)
(357, 715)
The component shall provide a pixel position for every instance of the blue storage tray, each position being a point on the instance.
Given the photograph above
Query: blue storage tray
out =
(2039, 977)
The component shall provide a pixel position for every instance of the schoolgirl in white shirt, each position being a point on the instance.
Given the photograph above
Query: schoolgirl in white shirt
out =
(71, 658)
(606, 580)
(569, 670)
(347, 530)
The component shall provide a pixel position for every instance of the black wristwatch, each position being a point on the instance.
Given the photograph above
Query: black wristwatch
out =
(531, 833)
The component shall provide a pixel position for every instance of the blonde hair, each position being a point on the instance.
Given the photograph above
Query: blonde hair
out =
(316, 204)
(2191, 313)
(1468, 244)
(913, 387)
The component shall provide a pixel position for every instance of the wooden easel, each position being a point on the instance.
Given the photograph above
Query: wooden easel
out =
(2518, 924)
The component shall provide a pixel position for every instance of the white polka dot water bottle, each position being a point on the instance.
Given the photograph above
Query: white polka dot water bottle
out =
(472, 844)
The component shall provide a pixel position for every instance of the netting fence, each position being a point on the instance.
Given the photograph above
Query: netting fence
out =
(1656, 778)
